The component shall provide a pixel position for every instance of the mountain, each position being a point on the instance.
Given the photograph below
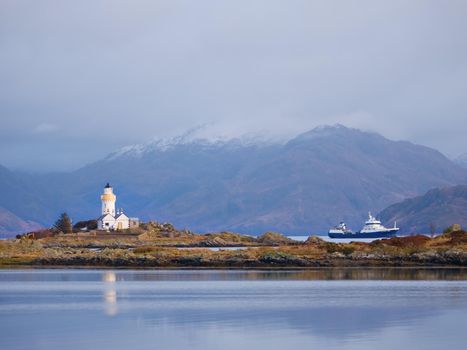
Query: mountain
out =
(11, 225)
(461, 160)
(247, 185)
(22, 196)
(438, 208)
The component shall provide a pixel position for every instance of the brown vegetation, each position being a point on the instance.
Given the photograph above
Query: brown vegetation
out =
(157, 245)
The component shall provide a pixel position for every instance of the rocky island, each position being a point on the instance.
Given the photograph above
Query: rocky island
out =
(156, 245)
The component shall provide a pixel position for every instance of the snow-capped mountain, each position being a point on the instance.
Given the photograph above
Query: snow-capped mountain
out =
(248, 184)
(200, 136)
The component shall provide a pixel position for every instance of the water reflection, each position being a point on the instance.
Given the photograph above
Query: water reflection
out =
(110, 293)
(329, 308)
(108, 276)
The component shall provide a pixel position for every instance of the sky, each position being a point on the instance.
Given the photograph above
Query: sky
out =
(80, 79)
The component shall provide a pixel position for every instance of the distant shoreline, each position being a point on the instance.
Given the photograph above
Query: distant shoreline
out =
(155, 247)
(259, 268)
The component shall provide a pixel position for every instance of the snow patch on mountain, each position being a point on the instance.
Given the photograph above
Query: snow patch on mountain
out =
(200, 136)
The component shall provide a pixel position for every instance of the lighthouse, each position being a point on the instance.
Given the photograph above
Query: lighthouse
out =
(108, 199)
(111, 220)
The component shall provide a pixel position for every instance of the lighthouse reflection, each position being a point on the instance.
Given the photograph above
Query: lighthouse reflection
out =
(110, 293)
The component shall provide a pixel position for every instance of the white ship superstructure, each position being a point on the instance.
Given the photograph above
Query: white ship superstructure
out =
(341, 228)
(372, 229)
(373, 225)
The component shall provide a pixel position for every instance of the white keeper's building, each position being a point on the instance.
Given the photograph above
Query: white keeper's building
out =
(112, 220)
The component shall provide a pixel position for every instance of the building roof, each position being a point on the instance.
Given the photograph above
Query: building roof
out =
(121, 215)
(102, 217)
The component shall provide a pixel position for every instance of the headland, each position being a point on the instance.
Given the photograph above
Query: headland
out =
(156, 245)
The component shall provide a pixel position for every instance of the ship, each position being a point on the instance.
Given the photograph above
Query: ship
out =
(372, 229)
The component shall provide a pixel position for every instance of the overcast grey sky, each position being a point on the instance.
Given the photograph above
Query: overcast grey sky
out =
(81, 78)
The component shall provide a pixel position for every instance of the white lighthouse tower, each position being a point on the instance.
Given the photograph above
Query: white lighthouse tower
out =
(111, 220)
(108, 199)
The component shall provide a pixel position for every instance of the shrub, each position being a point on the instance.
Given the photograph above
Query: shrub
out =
(88, 224)
(63, 224)
(273, 238)
(453, 228)
(403, 242)
(347, 249)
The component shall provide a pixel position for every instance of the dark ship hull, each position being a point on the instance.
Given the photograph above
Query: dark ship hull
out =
(381, 234)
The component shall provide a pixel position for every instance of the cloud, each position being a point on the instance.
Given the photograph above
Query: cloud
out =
(45, 128)
(113, 73)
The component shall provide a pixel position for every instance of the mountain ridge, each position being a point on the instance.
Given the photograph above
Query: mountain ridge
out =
(461, 160)
(11, 224)
(301, 186)
(193, 138)
(433, 211)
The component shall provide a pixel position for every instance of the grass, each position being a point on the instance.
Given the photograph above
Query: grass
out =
(160, 251)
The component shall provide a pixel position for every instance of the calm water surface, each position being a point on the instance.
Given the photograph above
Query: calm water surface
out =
(320, 309)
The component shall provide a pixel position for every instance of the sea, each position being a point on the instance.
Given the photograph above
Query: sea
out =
(334, 240)
(347, 308)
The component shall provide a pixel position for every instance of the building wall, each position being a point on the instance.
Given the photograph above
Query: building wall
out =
(106, 224)
(122, 223)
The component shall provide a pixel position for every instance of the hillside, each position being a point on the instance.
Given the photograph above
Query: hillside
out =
(11, 225)
(301, 186)
(461, 160)
(21, 195)
(438, 207)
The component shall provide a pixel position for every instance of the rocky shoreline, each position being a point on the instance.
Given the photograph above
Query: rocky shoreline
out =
(277, 260)
(162, 249)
